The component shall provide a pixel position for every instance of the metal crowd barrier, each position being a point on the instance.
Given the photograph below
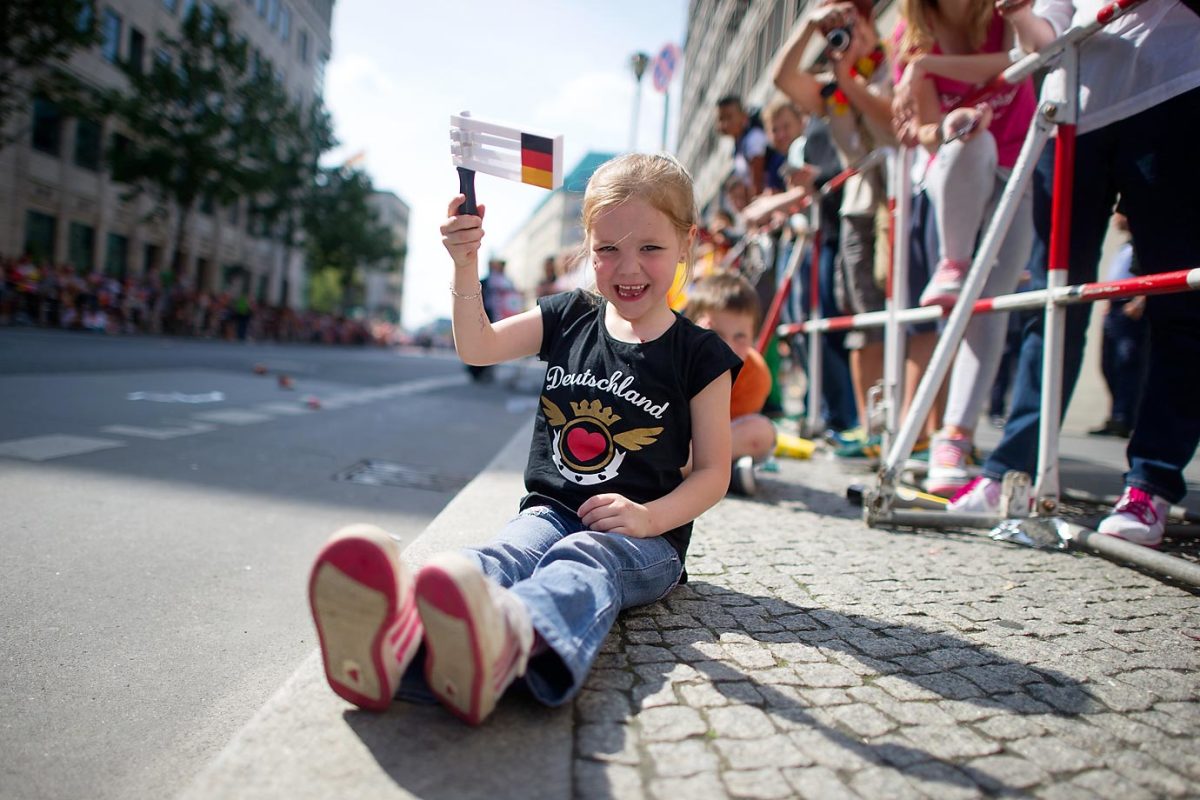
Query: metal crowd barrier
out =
(1045, 527)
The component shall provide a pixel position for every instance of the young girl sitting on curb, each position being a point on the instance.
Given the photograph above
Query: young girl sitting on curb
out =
(631, 389)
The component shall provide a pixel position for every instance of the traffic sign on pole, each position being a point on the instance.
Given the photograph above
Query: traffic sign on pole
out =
(664, 66)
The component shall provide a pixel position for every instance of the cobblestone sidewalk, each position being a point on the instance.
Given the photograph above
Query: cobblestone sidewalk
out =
(810, 656)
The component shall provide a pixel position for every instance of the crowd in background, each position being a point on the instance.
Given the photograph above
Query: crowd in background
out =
(59, 296)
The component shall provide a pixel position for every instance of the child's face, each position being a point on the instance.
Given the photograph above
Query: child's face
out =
(730, 120)
(785, 127)
(734, 328)
(635, 250)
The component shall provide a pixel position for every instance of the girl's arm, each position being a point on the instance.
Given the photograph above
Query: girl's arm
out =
(977, 68)
(701, 489)
(478, 341)
(1037, 24)
(790, 77)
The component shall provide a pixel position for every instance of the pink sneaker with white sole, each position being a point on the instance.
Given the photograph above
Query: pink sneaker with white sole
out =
(478, 636)
(361, 596)
(945, 284)
(1138, 517)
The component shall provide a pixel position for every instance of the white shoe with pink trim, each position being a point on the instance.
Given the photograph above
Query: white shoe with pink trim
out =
(478, 636)
(361, 596)
(945, 284)
(1138, 517)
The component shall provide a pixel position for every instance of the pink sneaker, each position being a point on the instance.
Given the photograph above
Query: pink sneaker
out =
(945, 284)
(948, 459)
(980, 496)
(478, 636)
(1138, 517)
(361, 596)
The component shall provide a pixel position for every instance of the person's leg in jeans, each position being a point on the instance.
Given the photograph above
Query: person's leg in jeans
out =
(572, 582)
(1157, 164)
(836, 386)
(1093, 198)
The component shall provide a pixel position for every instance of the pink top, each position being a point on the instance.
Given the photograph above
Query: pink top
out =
(1013, 109)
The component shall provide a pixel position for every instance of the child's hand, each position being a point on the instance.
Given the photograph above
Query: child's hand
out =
(462, 234)
(614, 513)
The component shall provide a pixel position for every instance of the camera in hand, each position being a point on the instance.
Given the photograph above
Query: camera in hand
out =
(838, 38)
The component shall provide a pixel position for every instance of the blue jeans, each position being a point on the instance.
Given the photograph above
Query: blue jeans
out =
(839, 411)
(573, 581)
(1150, 160)
(1123, 362)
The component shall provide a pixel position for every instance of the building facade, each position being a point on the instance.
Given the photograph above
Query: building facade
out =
(553, 229)
(384, 288)
(730, 48)
(58, 202)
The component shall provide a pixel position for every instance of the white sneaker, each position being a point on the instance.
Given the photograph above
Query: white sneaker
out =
(361, 596)
(948, 457)
(980, 496)
(741, 477)
(478, 635)
(1138, 517)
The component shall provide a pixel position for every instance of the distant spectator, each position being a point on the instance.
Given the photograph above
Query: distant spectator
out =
(750, 147)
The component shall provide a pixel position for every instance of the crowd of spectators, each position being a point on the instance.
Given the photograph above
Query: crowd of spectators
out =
(872, 90)
(59, 296)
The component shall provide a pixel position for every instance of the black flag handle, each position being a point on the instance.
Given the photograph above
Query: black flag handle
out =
(466, 187)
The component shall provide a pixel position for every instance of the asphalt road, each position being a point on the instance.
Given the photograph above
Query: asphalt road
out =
(160, 504)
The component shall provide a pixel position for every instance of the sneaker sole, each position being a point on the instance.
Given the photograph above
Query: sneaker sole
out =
(354, 596)
(455, 666)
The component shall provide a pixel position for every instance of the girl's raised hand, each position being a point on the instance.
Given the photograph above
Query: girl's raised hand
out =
(462, 234)
(614, 513)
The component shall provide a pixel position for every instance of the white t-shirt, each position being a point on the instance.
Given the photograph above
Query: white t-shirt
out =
(1146, 57)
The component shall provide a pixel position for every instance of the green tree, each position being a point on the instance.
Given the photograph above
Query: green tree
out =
(343, 231)
(190, 113)
(286, 144)
(35, 37)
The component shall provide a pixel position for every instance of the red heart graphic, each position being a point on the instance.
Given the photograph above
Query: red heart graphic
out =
(585, 445)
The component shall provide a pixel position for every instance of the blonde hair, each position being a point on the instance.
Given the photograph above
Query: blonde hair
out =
(918, 32)
(780, 104)
(660, 181)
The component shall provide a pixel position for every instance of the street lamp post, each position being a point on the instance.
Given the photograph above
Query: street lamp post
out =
(639, 62)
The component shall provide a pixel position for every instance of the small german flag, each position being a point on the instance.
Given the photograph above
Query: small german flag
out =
(537, 160)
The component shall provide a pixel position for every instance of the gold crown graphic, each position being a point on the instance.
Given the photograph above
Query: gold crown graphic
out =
(591, 408)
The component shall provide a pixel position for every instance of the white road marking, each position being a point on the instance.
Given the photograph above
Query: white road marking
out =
(190, 429)
(44, 448)
(232, 416)
(287, 409)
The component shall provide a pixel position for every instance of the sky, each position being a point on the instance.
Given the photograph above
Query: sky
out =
(400, 69)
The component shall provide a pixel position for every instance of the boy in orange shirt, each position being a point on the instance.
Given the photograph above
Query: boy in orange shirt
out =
(727, 304)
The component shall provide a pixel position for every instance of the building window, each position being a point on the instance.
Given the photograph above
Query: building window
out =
(87, 15)
(47, 125)
(119, 147)
(319, 73)
(81, 247)
(151, 253)
(40, 232)
(87, 144)
(110, 33)
(262, 8)
(304, 46)
(170, 5)
(116, 257)
(285, 24)
(273, 15)
(137, 50)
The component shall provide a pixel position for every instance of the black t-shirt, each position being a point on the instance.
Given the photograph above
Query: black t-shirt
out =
(614, 416)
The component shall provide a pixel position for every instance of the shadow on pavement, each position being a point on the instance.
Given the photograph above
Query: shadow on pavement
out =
(750, 652)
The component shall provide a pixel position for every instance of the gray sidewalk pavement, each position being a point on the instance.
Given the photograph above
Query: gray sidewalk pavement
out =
(809, 656)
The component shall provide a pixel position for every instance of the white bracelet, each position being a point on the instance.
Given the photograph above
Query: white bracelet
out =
(478, 293)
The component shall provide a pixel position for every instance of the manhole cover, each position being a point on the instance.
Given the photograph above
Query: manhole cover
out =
(388, 473)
